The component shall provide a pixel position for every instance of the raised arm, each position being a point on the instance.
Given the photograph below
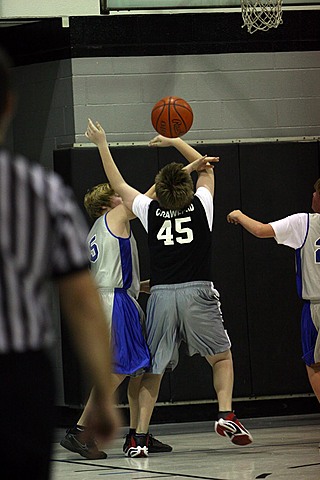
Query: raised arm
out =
(204, 168)
(96, 134)
(189, 153)
(205, 175)
(256, 228)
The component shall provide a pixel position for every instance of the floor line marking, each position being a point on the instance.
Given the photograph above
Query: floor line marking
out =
(306, 465)
(171, 474)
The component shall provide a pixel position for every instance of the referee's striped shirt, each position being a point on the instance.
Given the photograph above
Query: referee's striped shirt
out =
(42, 236)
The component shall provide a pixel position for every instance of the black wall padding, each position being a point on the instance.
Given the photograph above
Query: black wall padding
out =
(276, 180)
(156, 35)
(255, 278)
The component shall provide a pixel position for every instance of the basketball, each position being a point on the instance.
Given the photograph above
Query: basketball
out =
(172, 117)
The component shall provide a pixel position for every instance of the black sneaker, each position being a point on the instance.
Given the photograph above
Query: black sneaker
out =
(88, 450)
(126, 442)
(155, 446)
(136, 446)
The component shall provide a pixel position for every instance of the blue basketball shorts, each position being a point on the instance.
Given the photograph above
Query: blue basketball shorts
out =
(131, 355)
(310, 324)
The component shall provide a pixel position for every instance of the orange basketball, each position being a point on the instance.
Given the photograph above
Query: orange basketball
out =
(172, 117)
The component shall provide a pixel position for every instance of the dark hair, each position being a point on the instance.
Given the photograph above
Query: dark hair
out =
(174, 187)
(5, 80)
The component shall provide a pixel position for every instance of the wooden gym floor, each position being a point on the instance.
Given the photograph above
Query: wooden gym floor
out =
(284, 448)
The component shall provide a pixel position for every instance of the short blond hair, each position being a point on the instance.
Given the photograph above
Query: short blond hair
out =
(317, 186)
(97, 198)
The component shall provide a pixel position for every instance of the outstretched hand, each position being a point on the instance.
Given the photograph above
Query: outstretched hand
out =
(95, 133)
(206, 162)
(202, 164)
(233, 217)
(161, 141)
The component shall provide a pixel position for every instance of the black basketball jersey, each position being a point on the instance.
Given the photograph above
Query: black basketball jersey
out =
(179, 244)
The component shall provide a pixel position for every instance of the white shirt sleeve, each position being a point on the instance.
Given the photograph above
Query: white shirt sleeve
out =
(140, 208)
(207, 201)
(292, 230)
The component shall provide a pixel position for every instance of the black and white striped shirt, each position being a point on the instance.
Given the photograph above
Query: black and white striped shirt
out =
(42, 236)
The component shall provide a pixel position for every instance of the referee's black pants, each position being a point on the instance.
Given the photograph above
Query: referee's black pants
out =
(26, 415)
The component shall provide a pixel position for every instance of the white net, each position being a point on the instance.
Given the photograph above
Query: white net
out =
(261, 14)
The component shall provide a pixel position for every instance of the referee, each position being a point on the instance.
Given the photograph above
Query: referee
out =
(42, 238)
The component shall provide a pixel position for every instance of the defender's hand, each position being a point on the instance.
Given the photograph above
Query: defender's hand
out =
(95, 133)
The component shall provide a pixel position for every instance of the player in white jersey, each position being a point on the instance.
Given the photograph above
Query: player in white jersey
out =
(114, 264)
(300, 231)
(183, 305)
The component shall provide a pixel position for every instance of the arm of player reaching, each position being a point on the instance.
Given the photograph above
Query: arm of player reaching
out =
(205, 175)
(151, 193)
(203, 166)
(145, 286)
(189, 153)
(206, 179)
(96, 134)
(256, 228)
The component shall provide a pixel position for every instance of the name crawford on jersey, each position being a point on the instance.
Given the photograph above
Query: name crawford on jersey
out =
(173, 213)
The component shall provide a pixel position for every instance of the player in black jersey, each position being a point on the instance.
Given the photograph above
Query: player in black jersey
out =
(183, 305)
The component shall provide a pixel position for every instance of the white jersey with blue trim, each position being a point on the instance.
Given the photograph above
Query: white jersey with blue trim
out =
(114, 261)
(302, 232)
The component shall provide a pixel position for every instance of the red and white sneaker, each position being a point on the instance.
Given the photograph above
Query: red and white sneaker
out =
(154, 445)
(233, 429)
(137, 446)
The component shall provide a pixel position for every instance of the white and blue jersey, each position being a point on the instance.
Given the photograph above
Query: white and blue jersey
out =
(302, 232)
(114, 265)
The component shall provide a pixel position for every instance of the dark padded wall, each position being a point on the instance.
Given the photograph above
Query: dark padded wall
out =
(276, 181)
(255, 277)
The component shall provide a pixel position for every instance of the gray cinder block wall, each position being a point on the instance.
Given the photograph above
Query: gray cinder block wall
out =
(233, 96)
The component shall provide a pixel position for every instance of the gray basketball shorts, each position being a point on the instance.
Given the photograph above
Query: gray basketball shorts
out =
(188, 312)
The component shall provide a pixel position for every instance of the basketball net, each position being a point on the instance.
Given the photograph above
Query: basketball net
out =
(261, 14)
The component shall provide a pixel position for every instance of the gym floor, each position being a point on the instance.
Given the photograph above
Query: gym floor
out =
(284, 448)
